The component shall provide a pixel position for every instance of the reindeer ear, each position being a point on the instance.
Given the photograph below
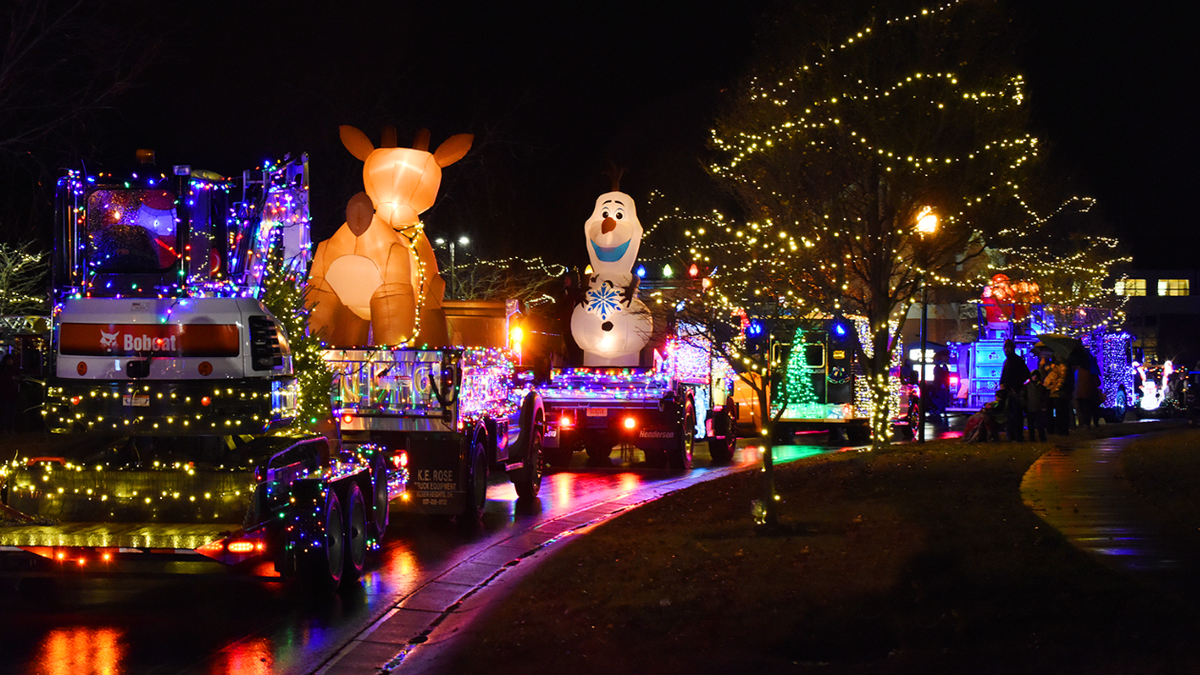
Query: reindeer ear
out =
(356, 141)
(452, 149)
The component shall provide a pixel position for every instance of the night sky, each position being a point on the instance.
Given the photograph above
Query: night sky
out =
(554, 94)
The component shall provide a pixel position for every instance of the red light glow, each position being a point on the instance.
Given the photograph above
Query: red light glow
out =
(630, 423)
(566, 422)
(241, 547)
(206, 401)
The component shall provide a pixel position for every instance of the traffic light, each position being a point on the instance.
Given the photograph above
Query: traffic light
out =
(756, 337)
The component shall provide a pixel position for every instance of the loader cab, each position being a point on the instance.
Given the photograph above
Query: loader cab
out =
(143, 234)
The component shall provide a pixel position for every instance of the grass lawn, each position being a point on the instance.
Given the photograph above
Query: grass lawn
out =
(917, 559)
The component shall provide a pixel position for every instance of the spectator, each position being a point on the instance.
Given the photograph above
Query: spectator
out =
(1087, 396)
(10, 395)
(1013, 376)
(1036, 402)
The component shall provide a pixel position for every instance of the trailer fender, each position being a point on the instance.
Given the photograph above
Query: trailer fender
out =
(532, 414)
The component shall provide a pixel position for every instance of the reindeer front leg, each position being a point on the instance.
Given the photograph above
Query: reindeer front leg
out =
(394, 303)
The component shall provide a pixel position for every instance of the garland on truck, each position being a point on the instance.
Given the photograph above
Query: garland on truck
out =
(283, 294)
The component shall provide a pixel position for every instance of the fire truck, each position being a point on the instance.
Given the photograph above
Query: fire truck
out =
(162, 345)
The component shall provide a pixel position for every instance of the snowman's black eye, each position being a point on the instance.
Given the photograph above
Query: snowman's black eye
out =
(620, 215)
(604, 213)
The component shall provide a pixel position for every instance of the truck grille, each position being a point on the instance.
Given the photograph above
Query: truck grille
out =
(265, 352)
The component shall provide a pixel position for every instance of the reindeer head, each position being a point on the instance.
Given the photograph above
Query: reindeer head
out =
(403, 182)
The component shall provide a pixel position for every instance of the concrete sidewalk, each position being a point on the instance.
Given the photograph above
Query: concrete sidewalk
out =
(1082, 492)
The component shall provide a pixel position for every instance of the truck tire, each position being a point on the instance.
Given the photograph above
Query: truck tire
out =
(378, 522)
(722, 444)
(680, 457)
(528, 479)
(721, 449)
(476, 484)
(322, 554)
(355, 535)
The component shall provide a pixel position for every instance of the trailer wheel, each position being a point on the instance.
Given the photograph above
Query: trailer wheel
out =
(598, 445)
(476, 484)
(377, 526)
(355, 535)
(322, 561)
(680, 457)
(559, 458)
(528, 479)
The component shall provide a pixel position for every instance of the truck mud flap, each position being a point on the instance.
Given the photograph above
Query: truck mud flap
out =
(437, 473)
(656, 439)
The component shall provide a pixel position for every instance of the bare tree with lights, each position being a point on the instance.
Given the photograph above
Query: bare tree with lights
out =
(23, 287)
(836, 153)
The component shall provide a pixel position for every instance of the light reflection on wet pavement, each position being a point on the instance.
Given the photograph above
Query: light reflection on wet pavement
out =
(218, 623)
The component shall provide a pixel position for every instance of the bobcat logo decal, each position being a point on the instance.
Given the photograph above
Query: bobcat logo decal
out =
(108, 340)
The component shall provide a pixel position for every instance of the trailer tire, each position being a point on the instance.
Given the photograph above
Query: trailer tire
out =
(321, 564)
(528, 479)
(598, 445)
(680, 457)
(476, 484)
(355, 535)
(559, 458)
(377, 526)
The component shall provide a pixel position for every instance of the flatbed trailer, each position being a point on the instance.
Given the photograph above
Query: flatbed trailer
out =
(310, 512)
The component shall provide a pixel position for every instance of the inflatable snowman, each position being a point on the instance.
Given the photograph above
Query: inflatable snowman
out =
(610, 324)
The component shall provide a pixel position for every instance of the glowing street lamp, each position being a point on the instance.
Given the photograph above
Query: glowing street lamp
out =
(927, 223)
(462, 241)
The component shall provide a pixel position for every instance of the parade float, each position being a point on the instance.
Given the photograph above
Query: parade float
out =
(162, 345)
(447, 412)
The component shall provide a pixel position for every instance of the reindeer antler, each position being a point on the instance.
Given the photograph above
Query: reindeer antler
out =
(614, 174)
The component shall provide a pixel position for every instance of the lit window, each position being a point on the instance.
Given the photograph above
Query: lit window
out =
(1172, 286)
(1130, 287)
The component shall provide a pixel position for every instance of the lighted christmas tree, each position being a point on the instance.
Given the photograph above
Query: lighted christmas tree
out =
(283, 294)
(798, 394)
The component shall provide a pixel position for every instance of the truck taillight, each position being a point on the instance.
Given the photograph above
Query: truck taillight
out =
(566, 422)
(630, 423)
(400, 460)
(347, 418)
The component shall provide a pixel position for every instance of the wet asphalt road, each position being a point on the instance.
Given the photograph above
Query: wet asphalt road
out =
(202, 619)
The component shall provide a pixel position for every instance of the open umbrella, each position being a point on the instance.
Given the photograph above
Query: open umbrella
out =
(1064, 347)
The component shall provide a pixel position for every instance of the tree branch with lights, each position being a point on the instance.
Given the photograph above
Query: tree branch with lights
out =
(834, 152)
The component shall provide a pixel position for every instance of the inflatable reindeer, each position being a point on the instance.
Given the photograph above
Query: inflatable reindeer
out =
(611, 324)
(375, 281)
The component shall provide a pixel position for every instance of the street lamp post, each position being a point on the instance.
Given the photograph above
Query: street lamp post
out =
(927, 223)
(462, 241)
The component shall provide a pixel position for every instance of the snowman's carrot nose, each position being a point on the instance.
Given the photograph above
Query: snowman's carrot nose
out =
(608, 226)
